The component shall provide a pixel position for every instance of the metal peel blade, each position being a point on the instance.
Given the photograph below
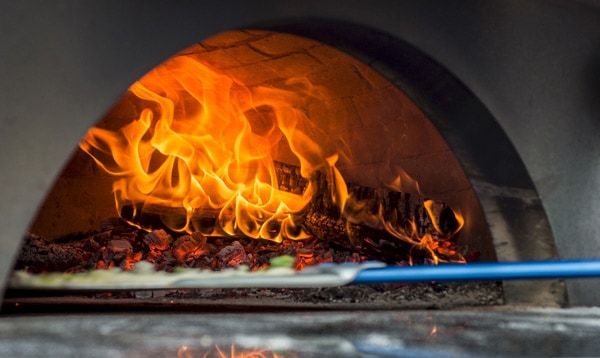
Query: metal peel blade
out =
(145, 278)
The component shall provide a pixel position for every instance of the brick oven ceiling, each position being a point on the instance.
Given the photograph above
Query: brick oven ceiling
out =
(534, 65)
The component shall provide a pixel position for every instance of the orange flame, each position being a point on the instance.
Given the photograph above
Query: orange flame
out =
(186, 352)
(205, 142)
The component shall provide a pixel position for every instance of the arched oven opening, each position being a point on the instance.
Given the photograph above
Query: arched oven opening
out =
(296, 142)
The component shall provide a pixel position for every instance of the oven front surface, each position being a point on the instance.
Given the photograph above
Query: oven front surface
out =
(470, 333)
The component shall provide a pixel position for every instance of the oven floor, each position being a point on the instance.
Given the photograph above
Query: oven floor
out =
(449, 295)
(497, 331)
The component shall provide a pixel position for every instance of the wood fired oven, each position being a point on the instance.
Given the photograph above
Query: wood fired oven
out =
(501, 92)
(504, 94)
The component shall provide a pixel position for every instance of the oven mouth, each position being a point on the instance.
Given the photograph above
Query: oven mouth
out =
(481, 190)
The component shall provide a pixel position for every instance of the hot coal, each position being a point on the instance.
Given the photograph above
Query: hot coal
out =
(122, 245)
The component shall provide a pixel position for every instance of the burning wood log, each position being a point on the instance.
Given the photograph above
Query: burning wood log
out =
(203, 219)
(382, 222)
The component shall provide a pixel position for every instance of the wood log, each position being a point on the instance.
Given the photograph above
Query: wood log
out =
(151, 217)
(371, 207)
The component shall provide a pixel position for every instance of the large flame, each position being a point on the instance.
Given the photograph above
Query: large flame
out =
(205, 142)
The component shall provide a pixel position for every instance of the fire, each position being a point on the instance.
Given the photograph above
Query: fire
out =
(205, 144)
(186, 352)
(435, 242)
